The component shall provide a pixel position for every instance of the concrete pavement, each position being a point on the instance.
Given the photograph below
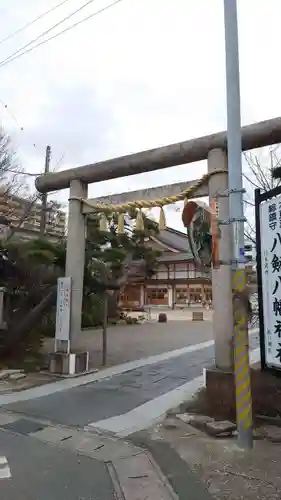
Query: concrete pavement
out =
(60, 463)
(42, 471)
(44, 440)
(101, 398)
(67, 433)
(117, 395)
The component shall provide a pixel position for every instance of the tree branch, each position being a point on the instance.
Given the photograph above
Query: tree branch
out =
(251, 181)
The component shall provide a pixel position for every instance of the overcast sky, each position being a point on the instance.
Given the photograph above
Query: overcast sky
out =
(141, 74)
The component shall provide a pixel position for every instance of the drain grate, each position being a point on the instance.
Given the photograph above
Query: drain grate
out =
(24, 426)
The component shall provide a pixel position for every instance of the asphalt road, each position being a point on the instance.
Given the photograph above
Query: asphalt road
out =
(40, 471)
(118, 395)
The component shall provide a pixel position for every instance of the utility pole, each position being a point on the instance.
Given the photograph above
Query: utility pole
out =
(236, 219)
(44, 195)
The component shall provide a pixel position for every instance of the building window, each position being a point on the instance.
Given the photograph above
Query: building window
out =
(208, 294)
(181, 295)
(181, 270)
(195, 295)
(130, 296)
(158, 293)
(157, 296)
(191, 270)
(161, 273)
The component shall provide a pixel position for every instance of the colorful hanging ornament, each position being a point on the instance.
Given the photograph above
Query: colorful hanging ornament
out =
(162, 220)
(139, 221)
(120, 227)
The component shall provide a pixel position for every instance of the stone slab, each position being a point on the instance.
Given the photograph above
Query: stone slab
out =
(139, 480)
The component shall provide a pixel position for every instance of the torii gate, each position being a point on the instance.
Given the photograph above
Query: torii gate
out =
(212, 148)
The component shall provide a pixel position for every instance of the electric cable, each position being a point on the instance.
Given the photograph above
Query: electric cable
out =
(46, 31)
(4, 62)
(30, 23)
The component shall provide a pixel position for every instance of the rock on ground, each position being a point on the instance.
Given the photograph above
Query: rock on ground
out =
(209, 425)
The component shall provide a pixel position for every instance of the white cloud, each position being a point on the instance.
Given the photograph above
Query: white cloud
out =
(144, 73)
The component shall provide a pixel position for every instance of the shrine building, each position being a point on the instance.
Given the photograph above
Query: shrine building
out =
(178, 280)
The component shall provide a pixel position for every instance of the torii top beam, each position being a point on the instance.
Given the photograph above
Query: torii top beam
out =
(257, 135)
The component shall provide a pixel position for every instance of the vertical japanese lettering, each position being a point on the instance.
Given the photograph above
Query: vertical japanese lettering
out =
(272, 216)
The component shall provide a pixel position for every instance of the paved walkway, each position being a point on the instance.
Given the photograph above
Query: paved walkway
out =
(50, 462)
(119, 394)
(77, 461)
(152, 385)
(67, 429)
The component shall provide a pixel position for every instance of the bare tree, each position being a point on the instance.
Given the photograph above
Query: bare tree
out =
(258, 174)
(16, 200)
(12, 178)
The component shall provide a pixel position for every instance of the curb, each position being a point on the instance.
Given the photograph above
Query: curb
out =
(183, 482)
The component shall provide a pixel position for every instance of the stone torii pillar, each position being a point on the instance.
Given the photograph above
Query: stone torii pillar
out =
(75, 254)
(221, 277)
(67, 359)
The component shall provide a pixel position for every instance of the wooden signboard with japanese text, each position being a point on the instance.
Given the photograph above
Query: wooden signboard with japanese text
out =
(268, 229)
(63, 309)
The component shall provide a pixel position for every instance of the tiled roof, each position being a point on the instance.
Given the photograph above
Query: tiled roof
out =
(174, 239)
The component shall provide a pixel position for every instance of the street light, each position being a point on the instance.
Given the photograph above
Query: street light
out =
(236, 219)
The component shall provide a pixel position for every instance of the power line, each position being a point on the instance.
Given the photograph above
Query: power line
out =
(3, 63)
(59, 161)
(19, 30)
(30, 23)
(28, 174)
(11, 114)
(14, 118)
(47, 31)
(31, 174)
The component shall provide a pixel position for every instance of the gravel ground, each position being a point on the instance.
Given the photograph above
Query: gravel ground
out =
(228, 472)
(131, 342)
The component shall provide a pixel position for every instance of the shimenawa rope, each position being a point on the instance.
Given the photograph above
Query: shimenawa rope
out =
(122, 208)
